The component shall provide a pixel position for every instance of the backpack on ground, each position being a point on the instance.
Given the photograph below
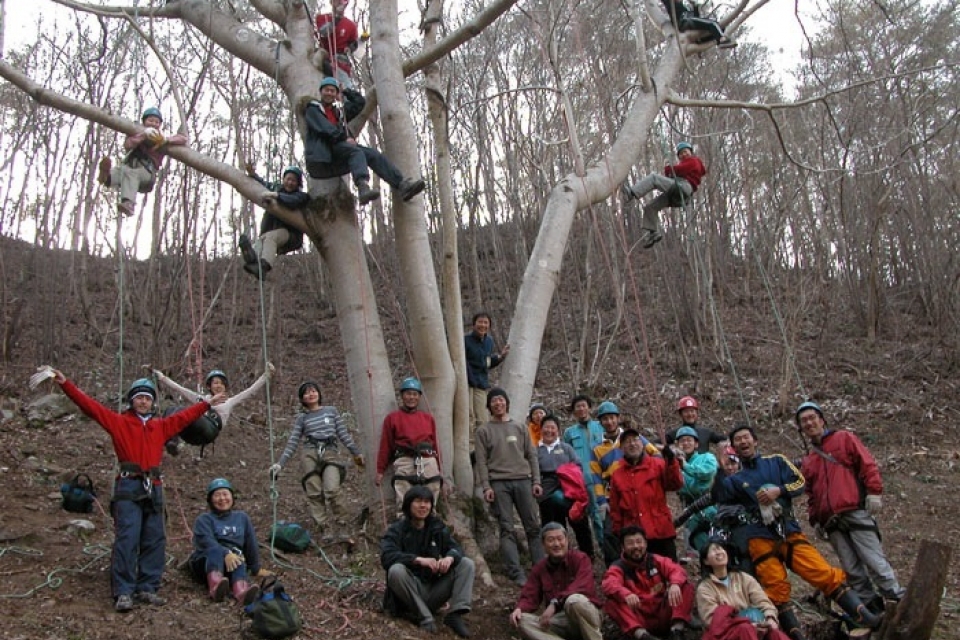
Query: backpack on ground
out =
(274, 613)
(290, 537)
(78, 494)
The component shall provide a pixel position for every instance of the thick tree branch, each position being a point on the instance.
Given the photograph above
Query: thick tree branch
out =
(243, 184)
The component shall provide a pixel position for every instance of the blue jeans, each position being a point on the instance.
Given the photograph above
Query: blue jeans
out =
(140, 542)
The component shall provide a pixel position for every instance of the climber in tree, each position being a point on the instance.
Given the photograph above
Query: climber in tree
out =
(276, 236)
(688, 19)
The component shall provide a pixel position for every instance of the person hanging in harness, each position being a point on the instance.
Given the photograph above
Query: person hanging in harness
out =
(677, 185)
(206, 430)
(137, 172)
(139, 546)
(324, 469)
(688, 19)
(226, 553)
(332, 150)
(337, 38)
(408, 440)
(765, 487)
(844, 492)
(276, 236)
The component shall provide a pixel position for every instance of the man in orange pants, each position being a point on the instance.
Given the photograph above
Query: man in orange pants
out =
(765, 488)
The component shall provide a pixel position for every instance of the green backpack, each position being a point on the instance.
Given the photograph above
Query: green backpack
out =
(274, 614)
(290, 537)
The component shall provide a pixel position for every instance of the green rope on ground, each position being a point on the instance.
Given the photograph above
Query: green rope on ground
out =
(53, 581)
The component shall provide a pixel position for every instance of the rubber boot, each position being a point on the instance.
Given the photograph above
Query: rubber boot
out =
(244, 592)
(789, 623)
(365, 194)
(850, 602)
(217, 585)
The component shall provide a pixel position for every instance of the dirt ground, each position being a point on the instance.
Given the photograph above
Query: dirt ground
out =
(54, 580)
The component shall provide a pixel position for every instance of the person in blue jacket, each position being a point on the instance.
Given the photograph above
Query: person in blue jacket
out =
(699, 471)
(276, 236)
(481, 356)
(225, 551)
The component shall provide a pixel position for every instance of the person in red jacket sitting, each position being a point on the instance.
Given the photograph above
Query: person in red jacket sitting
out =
(646, 592)
(677, 185)
(138, 435)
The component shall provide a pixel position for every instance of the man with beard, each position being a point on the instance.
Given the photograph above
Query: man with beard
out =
(647, 592)
(564, 581)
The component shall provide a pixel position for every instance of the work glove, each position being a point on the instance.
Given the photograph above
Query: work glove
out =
(874, 504)
(275, 470)
(263, 573)
(770, 512)
(232, 561)
(359, 461)
(154, 136)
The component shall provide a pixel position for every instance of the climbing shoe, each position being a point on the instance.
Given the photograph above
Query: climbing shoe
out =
(258, 272)
(246, 249)
(103, 172)
(365, 194)
(626, 193)
(650, 238)
(726, 43)
(149, 597)
(410, 187)
(124, 603)
(125, 208)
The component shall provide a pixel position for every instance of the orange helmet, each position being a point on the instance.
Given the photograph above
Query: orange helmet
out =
(687, 402)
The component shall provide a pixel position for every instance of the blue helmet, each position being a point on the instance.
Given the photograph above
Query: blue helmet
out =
(330, 82)
(218, 483)
(687, 431)
(152, 111)
(607, 407)
(684, 145)
(411, 384)
(806, 406)
(216, 373)
(143, 385)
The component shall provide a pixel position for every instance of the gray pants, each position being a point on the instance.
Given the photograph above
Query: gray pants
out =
(507, 495)
(426, 597)
(267, 245)
(579, 620)
(132, 179)
(861, 556)
(664, 184)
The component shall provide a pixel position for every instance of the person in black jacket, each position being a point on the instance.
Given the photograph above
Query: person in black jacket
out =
(331, 149)
(425, 567)
(276, 236)
(687, 19)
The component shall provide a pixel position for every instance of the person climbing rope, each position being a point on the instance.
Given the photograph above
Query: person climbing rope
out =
(323, 469)
(337, 37)
(276, 236)
(331, 149)
(677, 185)
(688, 19)
(216, 382)
(139, 547)
(137, 172)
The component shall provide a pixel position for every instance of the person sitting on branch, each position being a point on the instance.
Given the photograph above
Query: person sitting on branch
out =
(137, 172)
(276, 236)
(688, 19)
(332, 150)
(677, 185)
(337, 37)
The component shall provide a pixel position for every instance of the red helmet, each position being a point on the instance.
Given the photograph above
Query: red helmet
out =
(687, 402)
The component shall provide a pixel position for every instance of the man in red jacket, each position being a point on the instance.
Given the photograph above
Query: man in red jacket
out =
(843, 497)
(638, 493)
(139, 547)
(677, 185)
(564, 581)
(646, 592)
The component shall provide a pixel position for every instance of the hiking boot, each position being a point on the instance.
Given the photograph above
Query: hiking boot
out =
(455, 621)
(124, 603)
(650, 238)
(626, 193)
(103, 171)
(258, 272)
(847, 599)
(125, 208)
(149, 597)
(410, 187)
(429, 626)
(246, 249)
(365, 194)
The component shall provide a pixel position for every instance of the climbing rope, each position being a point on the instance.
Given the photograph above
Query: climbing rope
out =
(53, 579)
